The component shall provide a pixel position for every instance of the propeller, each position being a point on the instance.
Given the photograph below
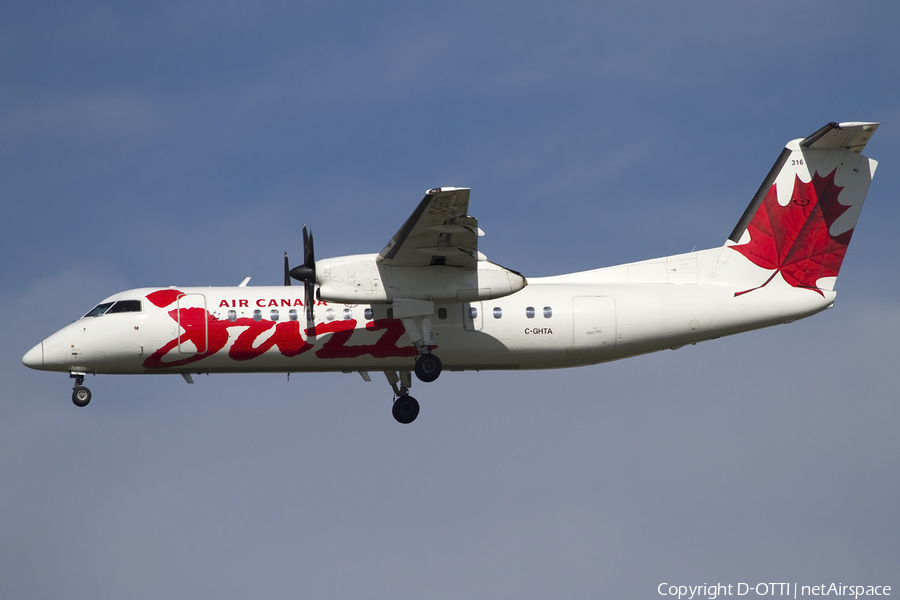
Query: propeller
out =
(307, 274)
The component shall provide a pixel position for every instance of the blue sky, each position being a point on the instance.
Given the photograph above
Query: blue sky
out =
(186, 144)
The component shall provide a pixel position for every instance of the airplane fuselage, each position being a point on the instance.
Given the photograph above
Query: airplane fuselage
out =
(563, 321)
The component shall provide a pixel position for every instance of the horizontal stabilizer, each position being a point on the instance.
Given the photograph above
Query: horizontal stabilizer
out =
(841, 136)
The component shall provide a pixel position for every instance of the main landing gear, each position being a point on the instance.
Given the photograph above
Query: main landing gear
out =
(81, 396)
(428, 367)
(416, 318)
(406, 408)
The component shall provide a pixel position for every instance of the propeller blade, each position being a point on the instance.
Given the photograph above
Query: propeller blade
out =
(287, 270)
(310, 302)
(306, 249)
(307, 271)
(307, 274)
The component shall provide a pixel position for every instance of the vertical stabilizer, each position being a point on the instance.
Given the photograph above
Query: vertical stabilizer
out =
(799, 223)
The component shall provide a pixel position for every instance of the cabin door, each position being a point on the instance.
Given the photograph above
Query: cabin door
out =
(594, 320)
(193, 324)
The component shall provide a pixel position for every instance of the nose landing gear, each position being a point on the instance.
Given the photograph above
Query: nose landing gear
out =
(81, 396)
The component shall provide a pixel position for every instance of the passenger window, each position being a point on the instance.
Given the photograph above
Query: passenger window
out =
(273, 314)
(498, 312)
(329, 314)
(125, 306)
(368, 313)
(292, 314)
(473, 312)
(548, 312)
(529, 312)
(257, 315)
(232, 315)
(348, 314)
(99, 309)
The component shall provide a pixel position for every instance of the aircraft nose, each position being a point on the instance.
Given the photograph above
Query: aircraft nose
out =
(34, 358)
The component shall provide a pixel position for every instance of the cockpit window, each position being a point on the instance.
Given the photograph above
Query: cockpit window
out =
(125, 306)
(108, 308)
(100, 309)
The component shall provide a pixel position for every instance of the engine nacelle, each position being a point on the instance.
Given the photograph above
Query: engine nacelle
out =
(360, 279)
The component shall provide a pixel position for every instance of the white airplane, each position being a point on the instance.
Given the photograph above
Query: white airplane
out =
(430, 293)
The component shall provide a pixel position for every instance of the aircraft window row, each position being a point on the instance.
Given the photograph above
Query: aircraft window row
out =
(274, 314)
(330, 314)
(498, 312)
(108, 308)
(346, 314)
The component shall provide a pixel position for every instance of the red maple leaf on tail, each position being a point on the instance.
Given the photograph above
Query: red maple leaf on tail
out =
(795, 239)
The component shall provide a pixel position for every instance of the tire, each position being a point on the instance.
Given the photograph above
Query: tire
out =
(81, 396)
(428, 368)
(406, 409)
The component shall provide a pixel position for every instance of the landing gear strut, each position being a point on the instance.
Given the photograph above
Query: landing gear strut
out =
(81, 396)
(416, 318)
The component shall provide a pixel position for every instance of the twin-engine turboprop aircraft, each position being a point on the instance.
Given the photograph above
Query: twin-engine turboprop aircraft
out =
(431, 301)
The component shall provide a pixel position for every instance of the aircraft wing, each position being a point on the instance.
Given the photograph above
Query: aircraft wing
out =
(439, 232)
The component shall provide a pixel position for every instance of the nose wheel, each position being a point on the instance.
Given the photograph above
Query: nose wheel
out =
(81, 396)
